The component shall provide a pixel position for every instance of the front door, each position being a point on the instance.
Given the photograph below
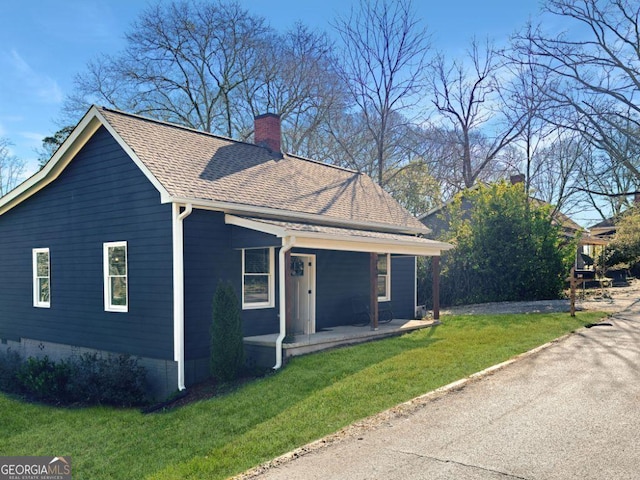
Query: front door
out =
(303, 295)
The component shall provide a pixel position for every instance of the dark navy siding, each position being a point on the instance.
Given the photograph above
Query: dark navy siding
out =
(209, 259)
(340, 276)
(213, 254)
(100, 197)
(245, 238)
(403, 287)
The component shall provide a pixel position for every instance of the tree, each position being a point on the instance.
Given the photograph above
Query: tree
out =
(505, 248)
(52, 143)
(384, 52)
(414, 187)
(556, 170)
(597, 67)
(213, 66)
(227, 346)
(524, 103)
(606, 183)
(183, 63)
(11, 168)
(624, 249)
(463, 94)
(296, 77)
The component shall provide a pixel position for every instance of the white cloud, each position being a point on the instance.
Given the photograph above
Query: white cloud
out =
(42, 86)
(33, 136)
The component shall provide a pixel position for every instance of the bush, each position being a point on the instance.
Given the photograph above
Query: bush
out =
(44, 379)
(9, 363)
(227, 346)
(115, 380)
(507, 248)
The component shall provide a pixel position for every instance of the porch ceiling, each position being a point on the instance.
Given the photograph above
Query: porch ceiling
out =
(337, 238)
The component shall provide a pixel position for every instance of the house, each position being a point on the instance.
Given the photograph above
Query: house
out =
(118, 243)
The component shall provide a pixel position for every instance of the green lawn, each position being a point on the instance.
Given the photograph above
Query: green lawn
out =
(312, 397)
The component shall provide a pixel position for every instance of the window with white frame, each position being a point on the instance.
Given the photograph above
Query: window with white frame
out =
(116, 296)
(257, 278)
(41, 278)
(384, 277)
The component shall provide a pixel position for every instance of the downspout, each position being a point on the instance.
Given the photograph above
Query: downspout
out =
(178, 288)
(287, 244)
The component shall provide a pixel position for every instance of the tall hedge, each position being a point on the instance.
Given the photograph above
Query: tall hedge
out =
(227, 347)
(507, 248)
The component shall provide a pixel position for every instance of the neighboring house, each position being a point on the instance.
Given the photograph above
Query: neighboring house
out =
(605, 230)
(118, 243)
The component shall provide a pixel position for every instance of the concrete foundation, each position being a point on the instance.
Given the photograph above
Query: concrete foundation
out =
(162, 375)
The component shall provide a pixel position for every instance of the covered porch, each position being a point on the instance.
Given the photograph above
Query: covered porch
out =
(261, 348)
(301, 244)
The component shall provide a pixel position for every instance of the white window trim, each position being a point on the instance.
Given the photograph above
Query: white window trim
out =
(271, 282)
(387, 297)
(36, 284)
(108, 307)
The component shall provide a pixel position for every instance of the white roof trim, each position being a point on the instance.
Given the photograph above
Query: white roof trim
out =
(346, 242)
(56, 164)
(80, 135)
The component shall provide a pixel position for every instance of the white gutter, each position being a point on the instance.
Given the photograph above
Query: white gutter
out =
(287, 244)
(178, 288)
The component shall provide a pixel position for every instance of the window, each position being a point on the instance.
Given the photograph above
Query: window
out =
(384, 277)
(116, 297)
(41, 278)
(257, 278)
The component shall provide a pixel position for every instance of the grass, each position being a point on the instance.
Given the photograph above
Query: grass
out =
(313, 396)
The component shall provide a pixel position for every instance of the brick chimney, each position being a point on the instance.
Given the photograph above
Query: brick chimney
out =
(267, 131)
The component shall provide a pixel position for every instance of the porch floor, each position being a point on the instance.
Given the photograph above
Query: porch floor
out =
(336, 336)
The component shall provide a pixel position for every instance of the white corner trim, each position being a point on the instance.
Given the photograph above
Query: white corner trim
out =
(54, 167)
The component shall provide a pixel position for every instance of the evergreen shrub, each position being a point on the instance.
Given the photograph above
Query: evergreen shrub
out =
(227, 346)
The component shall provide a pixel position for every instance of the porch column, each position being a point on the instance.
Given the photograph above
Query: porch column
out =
(435, 267)
(288, 292)
(373, 290)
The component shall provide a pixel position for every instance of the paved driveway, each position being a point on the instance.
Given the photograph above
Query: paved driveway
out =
(569, 411)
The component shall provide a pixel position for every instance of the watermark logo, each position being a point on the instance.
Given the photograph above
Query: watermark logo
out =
(35, 468)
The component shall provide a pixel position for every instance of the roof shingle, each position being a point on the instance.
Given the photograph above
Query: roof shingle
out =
(202, 166)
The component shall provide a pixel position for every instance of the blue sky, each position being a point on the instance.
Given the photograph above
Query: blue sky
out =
(45, 43)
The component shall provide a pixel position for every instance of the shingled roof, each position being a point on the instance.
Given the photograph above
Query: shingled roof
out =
(202, 167)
